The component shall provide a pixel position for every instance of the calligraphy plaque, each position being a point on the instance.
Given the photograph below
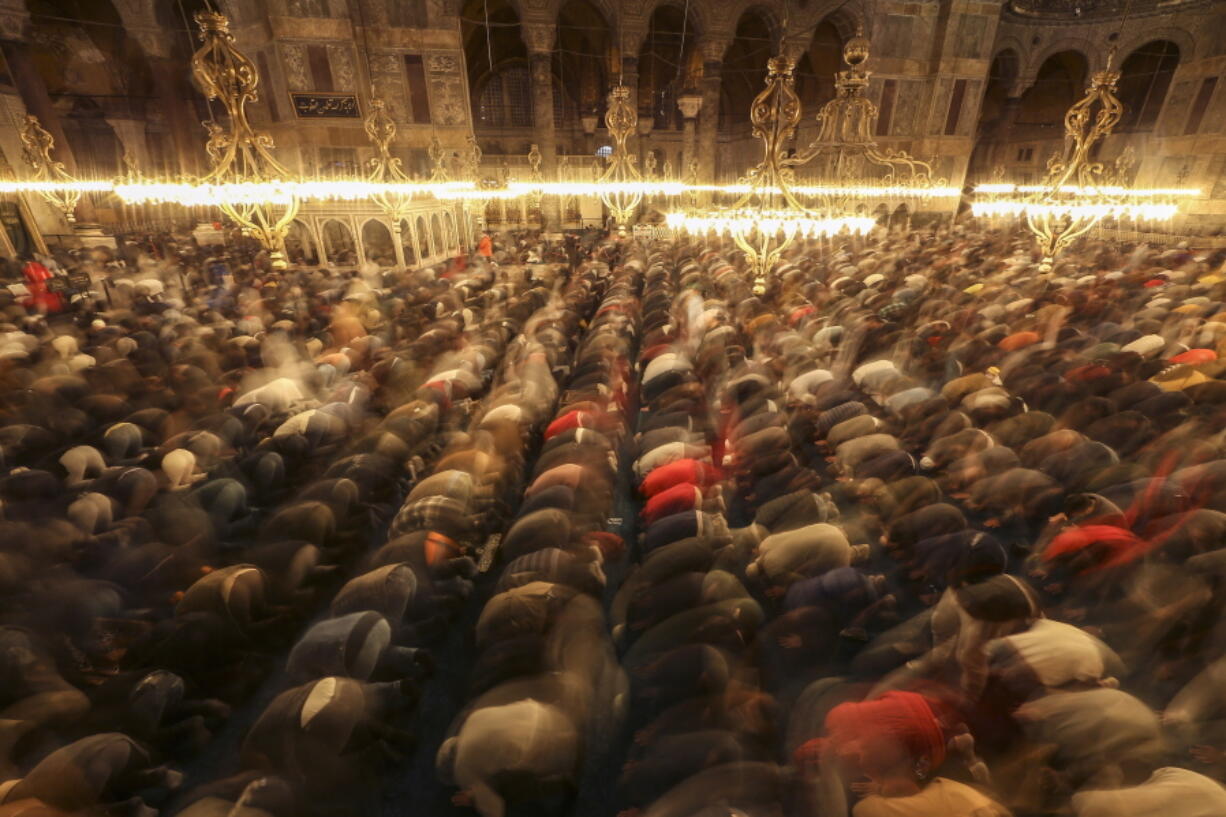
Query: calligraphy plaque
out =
(326, 106)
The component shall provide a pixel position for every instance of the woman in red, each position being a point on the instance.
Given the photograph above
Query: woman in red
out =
(43, 300)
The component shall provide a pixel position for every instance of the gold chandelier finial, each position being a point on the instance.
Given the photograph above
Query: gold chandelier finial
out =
(239, 154)
(621, 119)
(1086, 124)
(36, 147)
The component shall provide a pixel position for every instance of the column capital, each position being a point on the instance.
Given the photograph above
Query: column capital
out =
(539, 37)
(713, 47)
(795, 47)
(690, 103)
(14, 20)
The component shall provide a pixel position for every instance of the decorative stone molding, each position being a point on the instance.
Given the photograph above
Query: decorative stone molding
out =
(539, 38)
(690, 104)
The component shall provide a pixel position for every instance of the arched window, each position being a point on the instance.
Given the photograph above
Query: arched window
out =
(1144, 79)
(506, 99)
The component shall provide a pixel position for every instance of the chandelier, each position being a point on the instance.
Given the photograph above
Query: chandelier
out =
(620, 184)
(848, 169)
(239, 155)
(1079, 191)
(768, 217)
(385, 168)
(51, 180)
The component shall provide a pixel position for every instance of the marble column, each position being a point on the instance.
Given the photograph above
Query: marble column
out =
(540, 39)
(37, 99)
(708, 122)
(644, 128)
(630, 78)
(589, 121)
(690, 102)
(131, 133)
(172, 92)
(48, 220)
(1004, 129)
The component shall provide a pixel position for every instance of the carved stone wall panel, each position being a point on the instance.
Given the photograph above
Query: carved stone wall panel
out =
(940, 106)
(1175, 112)
(1215, 117)
(445, 78)
(340, 57)
(393, 90)
(908, 103)
(969, 118)
(897, 36)
(972, 41)
(383, 64)
(1216, 178)
(293, 59)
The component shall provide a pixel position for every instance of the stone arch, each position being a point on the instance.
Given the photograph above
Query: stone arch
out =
(847, 19)
(408, 242)
(377, 243)
(817, 66)
(996, 111)
(440, 235)
(1057, 83)
(669, 58)
(901, 217)
(700, 15)
(768, 12)
(1145, 79)
(301, 244)
(743, 71)
(456, 7)
(339, 244)
(453, 236)
(583, 61)
(1032, 62)
(424, 241)
(1182, 38)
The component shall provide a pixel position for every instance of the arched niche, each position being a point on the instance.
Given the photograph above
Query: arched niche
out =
(1145, 78)
(424, 240)
(669, 62)
(377, 243)
(453, 237)
(339, 245)
(300, 245)
(743, 73)
(439, 244)
(411, 255)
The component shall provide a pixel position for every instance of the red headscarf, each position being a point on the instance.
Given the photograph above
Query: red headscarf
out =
(905, 716)
(1121, 546)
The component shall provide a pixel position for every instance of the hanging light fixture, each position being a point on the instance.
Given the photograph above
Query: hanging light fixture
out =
(768, 217)
(239, 154)
(51, 180)
(624, 192)
(846, 169)
(1079, 192)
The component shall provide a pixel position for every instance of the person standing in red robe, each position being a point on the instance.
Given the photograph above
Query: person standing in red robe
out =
(42, 299)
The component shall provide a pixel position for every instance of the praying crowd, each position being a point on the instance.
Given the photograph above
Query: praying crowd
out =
(925, 530)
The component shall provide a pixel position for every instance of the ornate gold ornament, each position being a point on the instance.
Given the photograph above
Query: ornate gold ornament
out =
(625, 194)
(1086, 123)
(1079, 192)
(36, 147)
(239, 154)
(386, 168)
(845, 161)
(767, 218)
(848, 171)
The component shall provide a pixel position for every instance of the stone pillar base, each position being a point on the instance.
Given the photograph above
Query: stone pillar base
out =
(205, 234)
(91, 235)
